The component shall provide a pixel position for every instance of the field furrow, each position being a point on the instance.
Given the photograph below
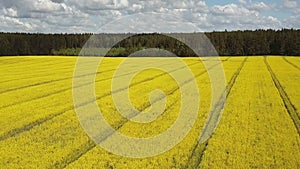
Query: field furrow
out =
(178, 156)
(295, 116)
(259, 126)
(60, 105)
(14, 62)
(197, 153)
(74, 119)
(256, 130)
(36, 79)
(294, 60)
(48, 123)
(291, 63)
(21, 70)
(52, 88)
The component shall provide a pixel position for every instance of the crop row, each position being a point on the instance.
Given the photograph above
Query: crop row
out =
(49, 126)
(256, 130)
(40, 110)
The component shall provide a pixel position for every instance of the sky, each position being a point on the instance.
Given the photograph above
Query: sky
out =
(92, 16)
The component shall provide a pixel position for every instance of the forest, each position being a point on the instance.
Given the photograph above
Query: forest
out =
(227, 43)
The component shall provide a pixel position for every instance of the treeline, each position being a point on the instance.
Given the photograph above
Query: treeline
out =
(259, 42)
(39, 44)
(236, 43)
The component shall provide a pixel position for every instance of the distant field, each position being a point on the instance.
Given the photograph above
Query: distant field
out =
(260, 126)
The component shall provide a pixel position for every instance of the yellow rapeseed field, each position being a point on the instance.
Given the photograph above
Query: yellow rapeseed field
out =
(256, 130)
(259, 127)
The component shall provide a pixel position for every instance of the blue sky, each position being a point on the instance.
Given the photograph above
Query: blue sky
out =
(77, 16)
(280, 13)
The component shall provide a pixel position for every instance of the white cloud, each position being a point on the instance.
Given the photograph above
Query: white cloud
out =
(290, 3)
(7, 23)
(90, 15)
(259, 6)
(10, 12)
(45, 6)
(156, 22)
(232, 9)
(243, 1)
(247, 15)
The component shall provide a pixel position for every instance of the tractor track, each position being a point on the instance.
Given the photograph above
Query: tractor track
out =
(29, 126)
(63, 90)
(52, 81)
(42, 70)
(73, 87)
(285, 98)
(89, 146)
(71, 67)
(196, 156)
(289, 62)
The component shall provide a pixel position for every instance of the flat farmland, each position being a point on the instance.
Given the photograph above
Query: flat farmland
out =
(259, 126)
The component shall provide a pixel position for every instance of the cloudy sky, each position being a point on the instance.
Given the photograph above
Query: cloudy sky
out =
(77, 16)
